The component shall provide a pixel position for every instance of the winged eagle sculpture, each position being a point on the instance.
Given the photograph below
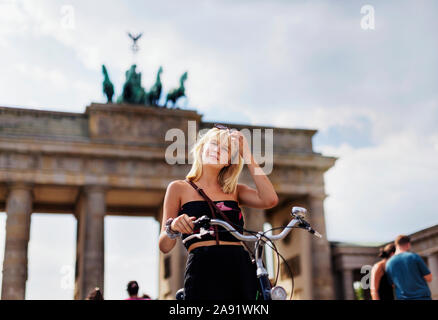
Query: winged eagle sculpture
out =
(135, 39)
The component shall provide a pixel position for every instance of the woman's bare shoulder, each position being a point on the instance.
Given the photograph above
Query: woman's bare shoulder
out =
(175, 192)
(177, 185)
(241, 190)
(379, 265)
(179, 182)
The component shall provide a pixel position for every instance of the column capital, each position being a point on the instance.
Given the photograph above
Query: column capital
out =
(317, 195)
(95, 188)
(346, 268)
(26, 186)
(20, 185)
(430, 252)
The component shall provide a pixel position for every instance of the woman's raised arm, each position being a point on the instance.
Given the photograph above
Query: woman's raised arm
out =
(265, 196)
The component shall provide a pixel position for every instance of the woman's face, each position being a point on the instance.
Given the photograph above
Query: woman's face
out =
(215, 153)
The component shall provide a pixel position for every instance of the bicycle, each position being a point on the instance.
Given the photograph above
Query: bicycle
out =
(260, 238)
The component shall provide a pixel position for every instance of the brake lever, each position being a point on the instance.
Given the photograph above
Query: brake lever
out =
(305, 225)
(202, 232)
(202, 222)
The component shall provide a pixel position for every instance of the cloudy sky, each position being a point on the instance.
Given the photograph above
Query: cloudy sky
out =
(371, 93)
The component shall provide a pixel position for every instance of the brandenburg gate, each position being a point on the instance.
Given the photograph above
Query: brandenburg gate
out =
(110, 160)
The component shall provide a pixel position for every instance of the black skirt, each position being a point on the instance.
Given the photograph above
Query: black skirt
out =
(220, 273)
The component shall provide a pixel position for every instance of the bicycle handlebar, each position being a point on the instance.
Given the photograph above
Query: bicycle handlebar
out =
(204, 222)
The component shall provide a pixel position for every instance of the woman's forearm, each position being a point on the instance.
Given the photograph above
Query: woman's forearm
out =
(265, 188)
(165, 243)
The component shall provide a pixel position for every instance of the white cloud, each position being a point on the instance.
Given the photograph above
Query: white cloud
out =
(434, 140)
(378, 192)
(12, 19)
(315, 116)
(55, 78)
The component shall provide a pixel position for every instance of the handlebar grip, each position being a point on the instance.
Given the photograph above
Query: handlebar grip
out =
(304, 224)
(203, 221)
(314, 232)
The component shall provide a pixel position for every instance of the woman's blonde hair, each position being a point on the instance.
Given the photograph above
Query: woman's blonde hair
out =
(229, 175)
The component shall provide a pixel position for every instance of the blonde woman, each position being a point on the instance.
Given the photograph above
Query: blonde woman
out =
(218, 266)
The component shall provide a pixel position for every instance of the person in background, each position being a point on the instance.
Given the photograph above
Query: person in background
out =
(408, 272)
(381, 289)
(133, 291)
(95, 294)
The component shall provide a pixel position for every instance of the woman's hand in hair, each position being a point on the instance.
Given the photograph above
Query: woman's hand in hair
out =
(183, 224)
(244, 150)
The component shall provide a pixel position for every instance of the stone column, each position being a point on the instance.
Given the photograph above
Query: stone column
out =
(347, 281)
(90, 262)
(177, 268)
(18, 210)
(433, 267)
(307, 263)
(254, 219)
(322, 275)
